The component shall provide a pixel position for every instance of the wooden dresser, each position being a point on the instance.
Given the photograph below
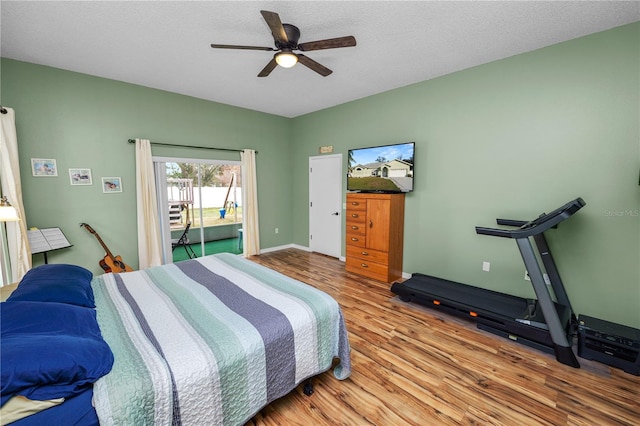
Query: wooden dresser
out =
(375, 235)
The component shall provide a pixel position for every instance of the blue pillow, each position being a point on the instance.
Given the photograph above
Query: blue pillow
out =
(50, 350)
(56, 283)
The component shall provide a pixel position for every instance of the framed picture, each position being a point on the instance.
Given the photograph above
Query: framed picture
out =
(44, 167)
(80, 176)
(111, 184)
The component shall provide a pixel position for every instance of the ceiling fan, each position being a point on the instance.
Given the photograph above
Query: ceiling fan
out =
(286, 38)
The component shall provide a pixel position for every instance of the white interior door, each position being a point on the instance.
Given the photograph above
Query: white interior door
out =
(325, 204)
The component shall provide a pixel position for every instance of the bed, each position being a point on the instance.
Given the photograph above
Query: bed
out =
(208, 341)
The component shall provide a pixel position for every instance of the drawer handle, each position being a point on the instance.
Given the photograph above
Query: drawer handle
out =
(355, 203)
(364, 265)
(354, 239)
(354, 215)
(354, 227)
(364, 253)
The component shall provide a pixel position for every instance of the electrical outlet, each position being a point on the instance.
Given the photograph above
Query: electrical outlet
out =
(526, 275)
(276, 230)
(486, 266)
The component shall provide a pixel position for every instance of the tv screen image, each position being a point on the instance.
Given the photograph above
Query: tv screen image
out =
(385, 168)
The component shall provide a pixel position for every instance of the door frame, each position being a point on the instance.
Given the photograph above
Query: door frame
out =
(339, 190)
(159, 163)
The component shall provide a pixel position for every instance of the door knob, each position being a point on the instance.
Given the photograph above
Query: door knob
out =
(335, 214)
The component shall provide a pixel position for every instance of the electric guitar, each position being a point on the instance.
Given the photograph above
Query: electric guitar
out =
(109, 263)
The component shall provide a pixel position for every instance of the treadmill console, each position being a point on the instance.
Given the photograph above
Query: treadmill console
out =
(535, 226)
(566, 210)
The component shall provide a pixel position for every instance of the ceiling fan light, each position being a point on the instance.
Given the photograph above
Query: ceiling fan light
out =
(286, 59)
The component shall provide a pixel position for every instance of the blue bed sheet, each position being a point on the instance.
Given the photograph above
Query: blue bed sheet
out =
(50, 350)
(75, 411)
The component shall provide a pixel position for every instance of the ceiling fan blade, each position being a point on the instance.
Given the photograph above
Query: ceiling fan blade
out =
(330, 43)
(310, 63)
(277, 30)
(267, 70)
(232, 46)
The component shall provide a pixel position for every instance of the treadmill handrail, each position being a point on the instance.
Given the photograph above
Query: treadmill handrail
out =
(536, 226)
(511, 222)
(494, 232)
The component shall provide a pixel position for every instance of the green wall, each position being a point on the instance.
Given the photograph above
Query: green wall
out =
(85, 122)
(512, 139)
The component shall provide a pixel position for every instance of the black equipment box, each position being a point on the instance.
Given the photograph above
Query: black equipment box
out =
(612, 344)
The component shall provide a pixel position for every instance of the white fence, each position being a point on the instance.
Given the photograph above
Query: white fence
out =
(214, 196)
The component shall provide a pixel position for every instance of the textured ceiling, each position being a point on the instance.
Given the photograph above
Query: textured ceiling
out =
(166, 44)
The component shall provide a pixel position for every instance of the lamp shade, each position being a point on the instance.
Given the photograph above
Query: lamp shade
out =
(8, 213)
(286, 59)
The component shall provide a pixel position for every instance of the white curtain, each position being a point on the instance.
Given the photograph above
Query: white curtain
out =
(149, 240)
(251, 234)
(18, 256)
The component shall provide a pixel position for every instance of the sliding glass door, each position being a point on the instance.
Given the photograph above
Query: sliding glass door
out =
(203, 197)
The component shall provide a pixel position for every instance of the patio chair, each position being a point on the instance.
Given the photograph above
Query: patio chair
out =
(184, 242)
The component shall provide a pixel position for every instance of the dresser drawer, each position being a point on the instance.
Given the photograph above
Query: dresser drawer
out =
(354, 203)
(368, 255)
(377, 271)
(356, 227)
(356, 239)
(356, 216)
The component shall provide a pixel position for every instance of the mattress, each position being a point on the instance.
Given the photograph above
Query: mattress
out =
(211, 341)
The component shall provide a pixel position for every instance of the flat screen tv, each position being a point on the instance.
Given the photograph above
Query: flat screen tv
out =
(384, 168)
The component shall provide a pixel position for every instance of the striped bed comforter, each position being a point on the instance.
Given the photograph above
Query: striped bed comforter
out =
(210, 341)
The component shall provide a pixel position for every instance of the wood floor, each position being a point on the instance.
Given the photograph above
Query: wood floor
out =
(415, 366)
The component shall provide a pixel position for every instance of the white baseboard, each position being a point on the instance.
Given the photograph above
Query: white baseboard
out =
(286, 246)
(299, 247)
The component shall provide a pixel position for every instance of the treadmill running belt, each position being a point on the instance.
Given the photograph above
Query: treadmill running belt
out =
(474, 297)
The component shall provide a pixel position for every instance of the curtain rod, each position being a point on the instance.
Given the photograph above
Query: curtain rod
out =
(191, 146)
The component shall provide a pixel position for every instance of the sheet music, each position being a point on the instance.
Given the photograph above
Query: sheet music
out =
(43, 240)
(55, 237)
(37, 242)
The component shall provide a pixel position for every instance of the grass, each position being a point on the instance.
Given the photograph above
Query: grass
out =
(371, 184)
(210, 217)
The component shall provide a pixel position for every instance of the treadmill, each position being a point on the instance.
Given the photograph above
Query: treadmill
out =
(541, 323)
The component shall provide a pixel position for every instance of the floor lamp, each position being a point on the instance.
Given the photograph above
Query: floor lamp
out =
(8, 213)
